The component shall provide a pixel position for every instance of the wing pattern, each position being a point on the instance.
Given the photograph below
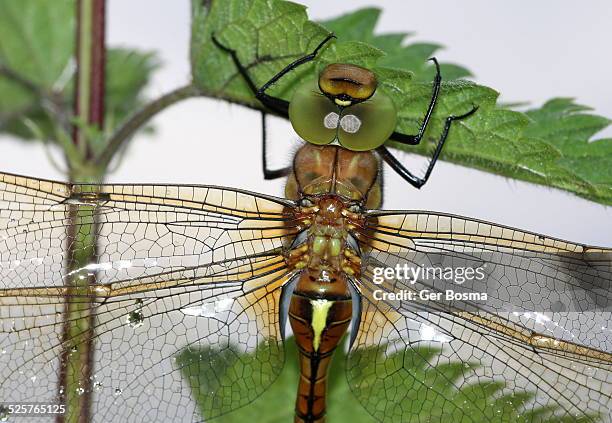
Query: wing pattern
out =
(527, 361)
(174, 267)
(177, 269)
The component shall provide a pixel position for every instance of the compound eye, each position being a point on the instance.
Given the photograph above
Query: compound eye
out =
(313, 116)
(366, 126)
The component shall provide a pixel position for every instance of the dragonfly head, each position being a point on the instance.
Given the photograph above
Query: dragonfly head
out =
(347, 108)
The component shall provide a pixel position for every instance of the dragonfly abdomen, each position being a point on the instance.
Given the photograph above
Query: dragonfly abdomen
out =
(319, 313)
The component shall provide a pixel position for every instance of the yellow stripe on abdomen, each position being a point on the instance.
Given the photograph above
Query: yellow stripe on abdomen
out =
(320, 311)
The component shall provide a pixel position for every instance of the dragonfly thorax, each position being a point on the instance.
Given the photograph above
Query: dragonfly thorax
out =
(331, 170)
(325, 250)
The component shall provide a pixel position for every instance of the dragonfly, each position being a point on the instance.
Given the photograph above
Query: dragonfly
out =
(152, 270)
(184, 266)
(344, 108)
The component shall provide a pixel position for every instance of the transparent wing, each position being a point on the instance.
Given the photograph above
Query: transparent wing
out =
(468, 360)
(162, 288)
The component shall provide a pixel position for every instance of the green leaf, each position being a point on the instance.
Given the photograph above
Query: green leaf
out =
(412, 383)
(253, 28)
(37, 46)
(211, 374)
(548, 146)
(565, 125)
(203, 378)
(278, 402)
(35, 41)
(360, 26)
(128, 72)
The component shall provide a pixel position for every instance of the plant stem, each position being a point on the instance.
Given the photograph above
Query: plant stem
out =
(138, 119)
(77, 356)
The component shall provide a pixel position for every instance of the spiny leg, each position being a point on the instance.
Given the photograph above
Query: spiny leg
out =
(269, 173)
(405, 173)
(416, 139)
(276, 104)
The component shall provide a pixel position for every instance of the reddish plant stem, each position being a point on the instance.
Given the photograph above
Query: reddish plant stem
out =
(98, 65)
(76, 370)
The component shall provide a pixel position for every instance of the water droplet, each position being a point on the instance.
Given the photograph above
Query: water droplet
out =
(97, 386)
(118, 391)
(4, 413)
(80, 391)
(33, 378)
(135, 319)
(150, 262)
(73, 349)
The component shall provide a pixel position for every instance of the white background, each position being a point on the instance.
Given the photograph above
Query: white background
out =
(530, 51)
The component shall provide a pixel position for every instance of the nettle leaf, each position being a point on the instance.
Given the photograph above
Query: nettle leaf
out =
(128, 72)
(549, 146)
(37, 46)
(33, 46)
(565, 125)
(267, 35)
(360, 26)
(414, 378)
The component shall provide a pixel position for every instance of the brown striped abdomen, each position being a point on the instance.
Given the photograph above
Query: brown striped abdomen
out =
(320, 313)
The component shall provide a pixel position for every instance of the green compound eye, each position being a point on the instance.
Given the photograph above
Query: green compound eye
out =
(366, 126)
(312, 115)
(361, 127)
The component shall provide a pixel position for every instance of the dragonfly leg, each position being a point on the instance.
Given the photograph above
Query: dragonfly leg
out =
(416, 139)
(269, 173)
(276, 104)
(416, 181)
(351, 263)
(298, 257)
